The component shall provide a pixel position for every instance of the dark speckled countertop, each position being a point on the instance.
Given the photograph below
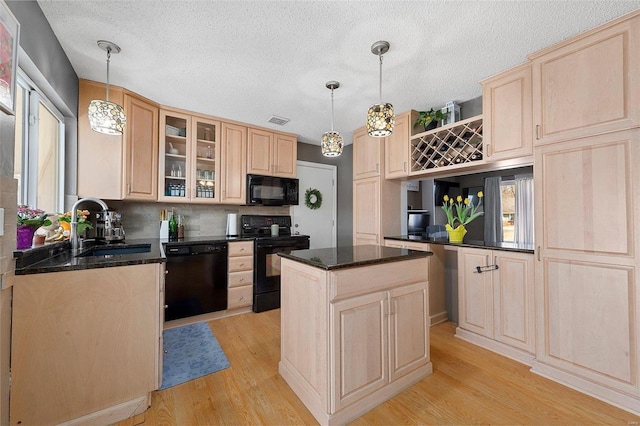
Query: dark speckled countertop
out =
(58, 257)
(524, 248)
(352, 256)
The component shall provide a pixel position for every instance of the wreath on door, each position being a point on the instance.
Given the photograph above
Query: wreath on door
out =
(312, 199)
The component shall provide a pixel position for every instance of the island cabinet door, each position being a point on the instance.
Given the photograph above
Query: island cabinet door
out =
(475, 292)
(408, 329)
(359, 335)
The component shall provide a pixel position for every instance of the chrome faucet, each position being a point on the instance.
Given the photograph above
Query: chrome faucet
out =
(74, 219)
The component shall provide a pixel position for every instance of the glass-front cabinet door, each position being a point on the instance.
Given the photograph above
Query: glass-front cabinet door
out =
(175, 154)
(189, 152)
(205, 156)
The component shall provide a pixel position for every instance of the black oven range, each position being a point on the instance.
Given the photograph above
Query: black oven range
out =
(266, 267)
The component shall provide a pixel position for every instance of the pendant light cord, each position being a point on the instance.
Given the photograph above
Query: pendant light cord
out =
(380, 56)
(332, 109)
(108, 60)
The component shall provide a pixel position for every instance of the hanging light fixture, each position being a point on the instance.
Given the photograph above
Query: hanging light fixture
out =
(380, 117)
(104, 116)
(332, 142)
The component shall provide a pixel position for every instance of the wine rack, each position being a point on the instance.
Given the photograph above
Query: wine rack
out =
(450, 145)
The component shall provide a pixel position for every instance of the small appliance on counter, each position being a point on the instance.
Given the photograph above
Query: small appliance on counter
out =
(232, 225)
(108, 226)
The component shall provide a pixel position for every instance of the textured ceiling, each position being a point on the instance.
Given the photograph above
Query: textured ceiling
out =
(249, 60)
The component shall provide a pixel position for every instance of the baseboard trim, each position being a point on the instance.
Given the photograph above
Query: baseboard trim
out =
(113, 414)
(358, 408)
(608, 395)
(438, 318)
(495, 346)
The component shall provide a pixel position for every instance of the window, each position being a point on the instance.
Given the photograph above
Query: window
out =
(508, 195)
(39, 148)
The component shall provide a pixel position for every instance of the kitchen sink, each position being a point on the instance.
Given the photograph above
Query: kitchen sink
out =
(116, 249)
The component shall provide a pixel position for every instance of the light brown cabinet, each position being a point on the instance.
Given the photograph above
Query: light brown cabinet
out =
(118, 167)
(271, 154)
(370, 220)
(588, 243)
(85, 344)
(507, 114)
(589, 84)
(233, 154)
(367, 154)
(396, 146)
(496, 301)
(366, 335)
(437, 303)
(189, 158)
(240, 278)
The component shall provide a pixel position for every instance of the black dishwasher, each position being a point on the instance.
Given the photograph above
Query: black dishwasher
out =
(196, 280)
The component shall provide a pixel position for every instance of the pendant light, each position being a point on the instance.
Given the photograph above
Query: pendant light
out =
(332, 142)
(380, 117)
(104, 116)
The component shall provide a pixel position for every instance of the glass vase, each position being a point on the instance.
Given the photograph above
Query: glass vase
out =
(24, 237)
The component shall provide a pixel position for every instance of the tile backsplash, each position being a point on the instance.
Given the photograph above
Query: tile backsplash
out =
(142, 220)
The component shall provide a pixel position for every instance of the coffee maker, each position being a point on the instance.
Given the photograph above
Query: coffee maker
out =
(108, 226)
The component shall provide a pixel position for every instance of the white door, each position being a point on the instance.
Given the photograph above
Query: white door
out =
(320, 223)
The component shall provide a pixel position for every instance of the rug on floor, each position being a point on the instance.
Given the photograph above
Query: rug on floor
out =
(190, 351)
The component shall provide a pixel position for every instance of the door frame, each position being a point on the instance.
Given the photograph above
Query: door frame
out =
(334, 193)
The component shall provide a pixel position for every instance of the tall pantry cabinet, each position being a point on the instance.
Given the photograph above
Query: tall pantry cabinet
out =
(376, 201)
(586, 118)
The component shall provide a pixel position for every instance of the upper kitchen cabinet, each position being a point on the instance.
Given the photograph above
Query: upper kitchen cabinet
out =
(118, 167)
(140, 149)
(367, 154)
(271, 154)
(189, 158)
(588, 84)
(396, 160)
(507, 114)
(233, 154)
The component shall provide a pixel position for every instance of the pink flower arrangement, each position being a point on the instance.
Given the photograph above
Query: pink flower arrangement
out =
(32, 217)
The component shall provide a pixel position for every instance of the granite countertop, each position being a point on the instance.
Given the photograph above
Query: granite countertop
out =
(58, 257)
(524, 248)
(352, 256)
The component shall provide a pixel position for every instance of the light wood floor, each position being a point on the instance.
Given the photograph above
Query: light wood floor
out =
(469, 385)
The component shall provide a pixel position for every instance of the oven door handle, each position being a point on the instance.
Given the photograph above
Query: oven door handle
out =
(277, 245)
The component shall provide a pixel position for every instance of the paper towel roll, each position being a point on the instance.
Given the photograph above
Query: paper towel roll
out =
(164, 229)
(232, 225)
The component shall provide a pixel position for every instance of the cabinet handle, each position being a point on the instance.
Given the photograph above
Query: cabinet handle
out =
(242, 249)
(128, 188)
(242, 264)
(488, 150)
(166, 306)
(166, 272)
(404, 167)
(538, 253)
(241, 279)
(537, 132)
(241, 297)
(377, 167)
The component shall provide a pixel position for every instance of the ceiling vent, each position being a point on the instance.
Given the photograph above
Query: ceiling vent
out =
(280, 121)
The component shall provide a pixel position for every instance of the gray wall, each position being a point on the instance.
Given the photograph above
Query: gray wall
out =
(344, 163)
(55, 76)
(41, 45)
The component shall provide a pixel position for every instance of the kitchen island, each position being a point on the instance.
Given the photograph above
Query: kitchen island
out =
(354, 327)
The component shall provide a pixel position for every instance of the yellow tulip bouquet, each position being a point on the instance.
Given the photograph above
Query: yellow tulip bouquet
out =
(465, 212)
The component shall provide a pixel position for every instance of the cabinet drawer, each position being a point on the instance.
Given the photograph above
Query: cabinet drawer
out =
(241, 248)
(237, 279)
(240, 297)
(241, 263)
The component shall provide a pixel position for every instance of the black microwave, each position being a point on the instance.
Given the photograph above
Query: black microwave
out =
(271, 191)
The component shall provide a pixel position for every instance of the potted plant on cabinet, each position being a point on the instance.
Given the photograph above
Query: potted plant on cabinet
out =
(429, 118)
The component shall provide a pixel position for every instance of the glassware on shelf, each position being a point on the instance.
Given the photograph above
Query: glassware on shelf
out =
(208, 152)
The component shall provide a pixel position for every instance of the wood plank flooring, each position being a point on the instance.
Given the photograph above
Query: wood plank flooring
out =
(469, 385)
